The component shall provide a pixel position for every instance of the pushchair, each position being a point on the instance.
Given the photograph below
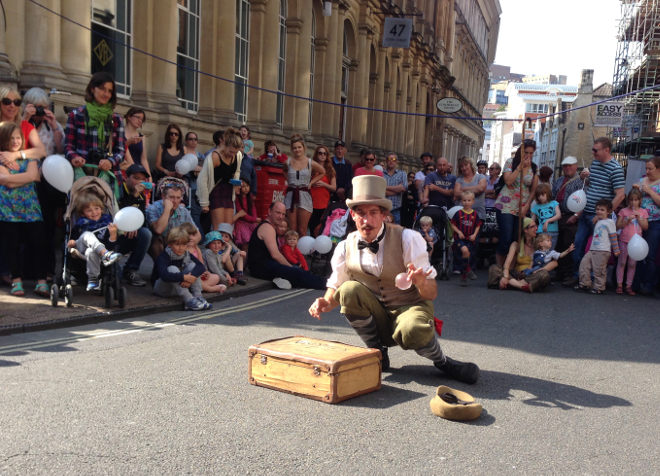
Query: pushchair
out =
(488, 239)
(110, 278)
(441, 255)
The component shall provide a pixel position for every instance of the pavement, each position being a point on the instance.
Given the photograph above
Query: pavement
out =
(32, 312)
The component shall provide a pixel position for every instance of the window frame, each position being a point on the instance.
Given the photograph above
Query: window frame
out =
(124, 89)
(190, 105)
(241, 63)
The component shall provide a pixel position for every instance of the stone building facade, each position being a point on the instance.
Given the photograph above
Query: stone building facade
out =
(209, 64)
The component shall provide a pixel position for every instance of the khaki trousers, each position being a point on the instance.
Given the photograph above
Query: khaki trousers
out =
(409, 326)
(594, 262)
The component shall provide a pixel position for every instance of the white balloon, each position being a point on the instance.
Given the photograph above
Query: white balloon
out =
(323, 244)
(129, 219)
(452, 211)
(576, 201)
(638, 248)
(306, 244)
(58, 172)
(182, 166)
(192, 160)
(402, 281)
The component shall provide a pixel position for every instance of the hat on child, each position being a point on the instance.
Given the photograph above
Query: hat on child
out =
(212, 236)
(226, 228)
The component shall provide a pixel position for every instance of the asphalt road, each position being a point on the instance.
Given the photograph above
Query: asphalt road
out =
(569, 383)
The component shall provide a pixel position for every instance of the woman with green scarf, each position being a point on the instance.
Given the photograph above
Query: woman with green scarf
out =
(94, 135)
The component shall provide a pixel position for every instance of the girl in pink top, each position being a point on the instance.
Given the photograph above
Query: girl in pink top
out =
(245, 220)
(632, 220)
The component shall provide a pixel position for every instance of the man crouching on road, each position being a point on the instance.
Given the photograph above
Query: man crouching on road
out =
(364, 267)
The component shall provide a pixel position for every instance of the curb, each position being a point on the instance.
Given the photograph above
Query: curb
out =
(117, 314)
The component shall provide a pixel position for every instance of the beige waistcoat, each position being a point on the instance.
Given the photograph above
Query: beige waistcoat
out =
(383, 286)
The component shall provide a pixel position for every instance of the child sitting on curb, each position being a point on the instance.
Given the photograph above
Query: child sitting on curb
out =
(94, 246)
(210, 281)
(544, 253)
(291, 252)
(178, 272)
(217, 257)
(237, 256)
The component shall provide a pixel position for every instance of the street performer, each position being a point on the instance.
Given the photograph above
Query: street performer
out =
(364, 267)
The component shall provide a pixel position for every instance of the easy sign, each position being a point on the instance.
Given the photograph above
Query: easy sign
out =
(609, 114)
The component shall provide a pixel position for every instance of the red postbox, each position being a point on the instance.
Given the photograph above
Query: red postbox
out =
(271, 181)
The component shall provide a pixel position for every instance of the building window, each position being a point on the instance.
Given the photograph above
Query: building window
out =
(187, 54)
(344, 88)
(111, 31)
(312, 67)
(241, 59)
(536, 108)
(281, 61)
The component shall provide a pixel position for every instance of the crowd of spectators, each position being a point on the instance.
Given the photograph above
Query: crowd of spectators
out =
(203, 226)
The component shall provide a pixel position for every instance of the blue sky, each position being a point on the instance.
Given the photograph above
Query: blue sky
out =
(559, 37)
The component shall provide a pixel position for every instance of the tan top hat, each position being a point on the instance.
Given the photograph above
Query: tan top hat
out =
(369, 190)
(454, 405)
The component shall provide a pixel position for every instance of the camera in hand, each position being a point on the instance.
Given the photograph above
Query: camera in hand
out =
(94, 156)
(40, 111)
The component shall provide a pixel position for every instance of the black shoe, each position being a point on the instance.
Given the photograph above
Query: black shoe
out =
(569, 282)
(462, 371)
(385, 361)
(134, 279)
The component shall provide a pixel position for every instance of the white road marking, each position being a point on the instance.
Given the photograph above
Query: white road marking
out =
(140, 326)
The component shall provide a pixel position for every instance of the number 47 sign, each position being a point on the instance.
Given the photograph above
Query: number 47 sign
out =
(397, 32)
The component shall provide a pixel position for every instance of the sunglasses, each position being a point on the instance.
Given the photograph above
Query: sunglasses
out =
(174, 134)
(595, 151)
(7, 102)
(370, 160)
(191, 138)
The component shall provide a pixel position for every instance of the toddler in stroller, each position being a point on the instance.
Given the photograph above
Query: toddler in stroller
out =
(441, 254)
(94, 236)
(91, 236)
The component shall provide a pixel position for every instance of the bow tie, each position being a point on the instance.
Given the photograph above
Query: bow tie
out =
(373, 246)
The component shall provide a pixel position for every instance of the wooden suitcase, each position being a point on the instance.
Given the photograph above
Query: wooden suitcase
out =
(323, 370)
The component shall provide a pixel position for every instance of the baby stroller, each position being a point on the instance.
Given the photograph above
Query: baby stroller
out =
(488, 239)
(441, 256)
(110, 278)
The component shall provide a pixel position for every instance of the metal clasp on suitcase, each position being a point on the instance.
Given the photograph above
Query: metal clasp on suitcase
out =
(263, 359)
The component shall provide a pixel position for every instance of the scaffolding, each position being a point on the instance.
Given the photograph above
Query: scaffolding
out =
(637, 66)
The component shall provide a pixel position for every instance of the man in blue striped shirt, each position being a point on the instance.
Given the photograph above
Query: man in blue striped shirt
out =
(605, 180)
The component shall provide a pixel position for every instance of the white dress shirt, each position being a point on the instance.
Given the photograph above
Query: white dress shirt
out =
(414, 251)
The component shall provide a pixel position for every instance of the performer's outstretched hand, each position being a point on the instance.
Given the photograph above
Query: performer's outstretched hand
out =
(427, 287)
(321, 305)
(417, 275)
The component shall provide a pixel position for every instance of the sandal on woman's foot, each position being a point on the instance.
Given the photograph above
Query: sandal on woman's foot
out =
(619, 289)
(42, 290)
(17, 289)
(630, 292)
